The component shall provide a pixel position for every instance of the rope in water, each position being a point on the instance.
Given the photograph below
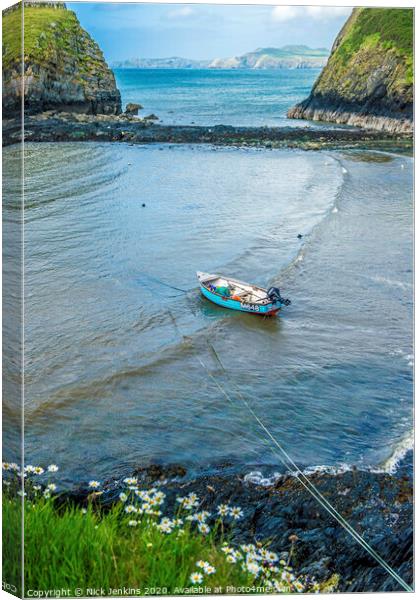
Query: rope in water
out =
(288, 461)
(301, 477)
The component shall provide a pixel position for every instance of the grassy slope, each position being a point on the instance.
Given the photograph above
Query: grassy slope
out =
(48, 33)
(370, 38)
(389, 28)
(292, 52)
(72, 549)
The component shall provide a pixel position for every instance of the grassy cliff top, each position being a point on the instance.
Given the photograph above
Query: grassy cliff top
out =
(381, 28)
(48, 29)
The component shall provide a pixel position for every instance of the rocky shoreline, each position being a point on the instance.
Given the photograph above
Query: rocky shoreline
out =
(378, 505)
(53, 126)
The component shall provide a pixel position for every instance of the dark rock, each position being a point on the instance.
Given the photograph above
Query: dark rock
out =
(151, 117)
(132, 108)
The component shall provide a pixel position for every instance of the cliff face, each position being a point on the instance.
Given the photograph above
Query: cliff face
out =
(368, 80)
(63, 67)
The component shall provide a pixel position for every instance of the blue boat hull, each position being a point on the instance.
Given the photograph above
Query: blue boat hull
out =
(256, 309)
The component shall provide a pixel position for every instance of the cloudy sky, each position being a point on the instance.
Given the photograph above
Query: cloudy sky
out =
(204, 31)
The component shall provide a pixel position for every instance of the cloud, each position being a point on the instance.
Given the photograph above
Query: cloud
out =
(180, 13)
(320, 13)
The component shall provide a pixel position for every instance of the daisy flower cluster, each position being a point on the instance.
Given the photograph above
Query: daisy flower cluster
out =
(139, 502)
(225, 510)
(265, 566)
(206, 568)
(14, 476)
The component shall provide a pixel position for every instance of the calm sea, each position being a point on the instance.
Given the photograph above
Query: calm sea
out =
(120, 369)
(211, 97)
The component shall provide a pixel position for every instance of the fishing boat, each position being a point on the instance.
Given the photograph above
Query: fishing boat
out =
(238, 295)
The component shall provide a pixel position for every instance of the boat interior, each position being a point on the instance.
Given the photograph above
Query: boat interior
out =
(239, 291)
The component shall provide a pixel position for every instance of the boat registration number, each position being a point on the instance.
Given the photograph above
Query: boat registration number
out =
(249, 306)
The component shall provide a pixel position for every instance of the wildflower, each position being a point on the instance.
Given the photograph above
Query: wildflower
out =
(29, 469)
(298, 585)
(178, 522)
(130, 480)
(47, 494)
(5, 482)
(203, 528)
(123, 497)
(13, 467)
(209, 569)
(94, 484)
(196, 577)
(231, 558)
(52, 487)
(165, 527)
(130, 509)
(38, 470)
(21, 493)
(223, 510)
(159, 497)
(272, 557)
(133, 523)
(6, 466)
(248, 547)
(227, 549)
(84, 511)
(201, 564)
(202, 516)
(289, 577)
(52, 468)
(253, 567)
(149, 545)
(236, 512)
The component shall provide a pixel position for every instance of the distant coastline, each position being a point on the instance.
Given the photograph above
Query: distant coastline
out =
(286, 57)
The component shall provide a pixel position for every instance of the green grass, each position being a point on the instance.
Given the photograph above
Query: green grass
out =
(48, 34)
(389, 28)
(66, 546)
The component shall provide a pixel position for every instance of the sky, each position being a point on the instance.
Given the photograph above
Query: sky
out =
(125, 31)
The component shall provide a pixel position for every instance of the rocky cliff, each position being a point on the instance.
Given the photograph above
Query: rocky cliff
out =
(64, 68)
(368, 80)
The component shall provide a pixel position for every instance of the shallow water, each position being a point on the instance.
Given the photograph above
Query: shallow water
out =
(122, 371)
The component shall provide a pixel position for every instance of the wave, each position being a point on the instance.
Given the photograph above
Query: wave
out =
(390, 465)
(402, 448)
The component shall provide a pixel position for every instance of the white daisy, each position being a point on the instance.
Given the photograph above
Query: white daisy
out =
(223, 510)
(133, 523)
(196, 577)
(236, 512)
(52, 468)
(203, 528)
(94, 484)
(209, 569)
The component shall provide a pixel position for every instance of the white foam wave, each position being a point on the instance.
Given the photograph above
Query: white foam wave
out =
(406, 444)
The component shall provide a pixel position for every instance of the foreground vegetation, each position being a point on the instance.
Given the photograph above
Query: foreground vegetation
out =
(133, 546)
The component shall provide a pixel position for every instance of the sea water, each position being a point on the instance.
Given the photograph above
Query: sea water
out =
(219, 96)
(126, 364)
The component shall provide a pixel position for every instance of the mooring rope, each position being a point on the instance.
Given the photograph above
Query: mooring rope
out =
(288, 462)
(311, 488)
(301, 477)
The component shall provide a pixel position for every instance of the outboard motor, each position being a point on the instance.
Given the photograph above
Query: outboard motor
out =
(274, 295)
